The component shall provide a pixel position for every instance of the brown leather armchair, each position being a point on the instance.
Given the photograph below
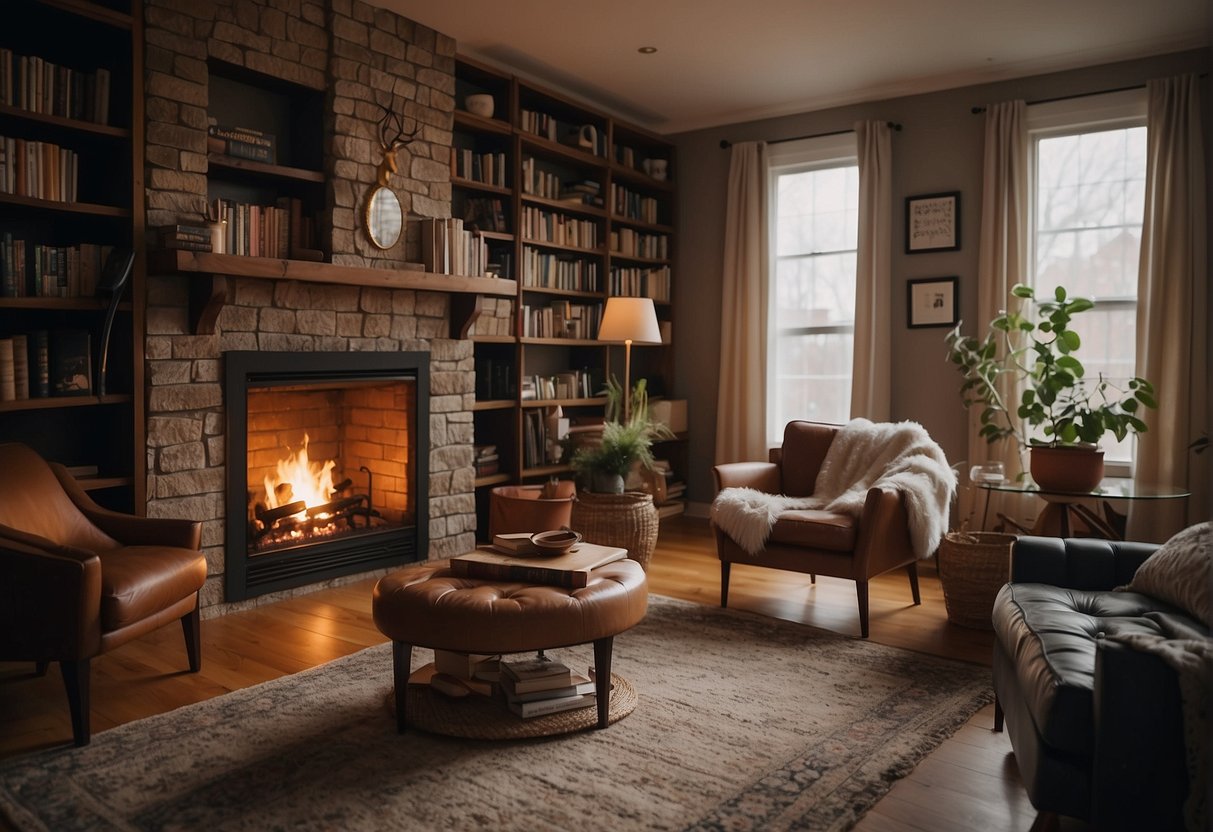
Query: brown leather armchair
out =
(77, 580)
(814, 541)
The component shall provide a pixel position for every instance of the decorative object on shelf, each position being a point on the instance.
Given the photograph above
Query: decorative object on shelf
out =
(932, 301)
(384, 217)
(480, 104)
(1037, 356)
(656, 168)
(933, 222)
(629, 320)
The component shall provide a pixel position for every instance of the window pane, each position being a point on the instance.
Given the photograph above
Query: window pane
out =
(1089, 201)
(812, 286)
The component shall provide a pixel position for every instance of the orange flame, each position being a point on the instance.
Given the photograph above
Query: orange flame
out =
(298, 478)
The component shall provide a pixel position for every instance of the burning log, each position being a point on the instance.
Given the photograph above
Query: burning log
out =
(271, 516)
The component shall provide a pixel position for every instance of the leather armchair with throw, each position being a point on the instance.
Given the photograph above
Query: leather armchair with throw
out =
(77, 580)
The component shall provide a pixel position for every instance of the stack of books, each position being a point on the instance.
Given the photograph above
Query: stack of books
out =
(188, 236)
(500, 563)
(242, 143)
(534, 687)
(487, 461)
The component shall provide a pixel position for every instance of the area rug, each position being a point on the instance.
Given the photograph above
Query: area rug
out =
(743, 722)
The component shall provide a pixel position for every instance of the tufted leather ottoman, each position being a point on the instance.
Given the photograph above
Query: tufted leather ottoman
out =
(427, 606)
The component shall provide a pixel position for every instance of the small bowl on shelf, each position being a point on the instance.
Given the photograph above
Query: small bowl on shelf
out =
(555, 542)
(480, 104)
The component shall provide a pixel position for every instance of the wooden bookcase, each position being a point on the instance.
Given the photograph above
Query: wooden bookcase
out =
(70, 43)
(572, 167)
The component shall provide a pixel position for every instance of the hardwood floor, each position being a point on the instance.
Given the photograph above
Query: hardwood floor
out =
(970, 782)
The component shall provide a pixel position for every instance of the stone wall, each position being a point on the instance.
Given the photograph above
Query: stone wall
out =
(362, 57)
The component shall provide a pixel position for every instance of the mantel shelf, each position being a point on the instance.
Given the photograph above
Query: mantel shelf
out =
(208, 292)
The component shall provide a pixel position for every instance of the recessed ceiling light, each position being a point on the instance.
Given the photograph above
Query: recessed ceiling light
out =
(647, 50)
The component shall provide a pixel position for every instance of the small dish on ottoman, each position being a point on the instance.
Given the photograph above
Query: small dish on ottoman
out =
(555, 542)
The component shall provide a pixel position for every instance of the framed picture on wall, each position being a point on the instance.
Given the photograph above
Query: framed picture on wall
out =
(932, 301)
(933, 222)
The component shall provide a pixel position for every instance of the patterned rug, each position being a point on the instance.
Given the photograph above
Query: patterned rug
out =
(743, 722)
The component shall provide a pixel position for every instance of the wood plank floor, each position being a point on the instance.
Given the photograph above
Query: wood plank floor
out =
(970, 782)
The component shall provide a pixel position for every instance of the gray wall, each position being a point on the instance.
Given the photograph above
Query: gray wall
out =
(938, 149)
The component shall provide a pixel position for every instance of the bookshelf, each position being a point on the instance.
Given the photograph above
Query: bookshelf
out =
(568, 246)
(71, 110)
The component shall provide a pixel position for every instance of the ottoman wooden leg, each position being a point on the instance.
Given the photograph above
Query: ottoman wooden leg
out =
(402, 661)
(602, 686)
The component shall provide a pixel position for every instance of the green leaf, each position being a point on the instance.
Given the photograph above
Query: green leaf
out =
(1079, 305)
(1019, 290)
(1071, 339)
(1060, 294)
(1145, 398)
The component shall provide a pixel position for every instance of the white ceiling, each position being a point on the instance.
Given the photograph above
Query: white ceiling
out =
(725, 61)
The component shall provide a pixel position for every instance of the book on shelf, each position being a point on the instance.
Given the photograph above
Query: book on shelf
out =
(8, 371)
(541, 707)
(21, 366)
(39, 364)
(242, 143)
(571, 570)
(671, 508)
(71, 366)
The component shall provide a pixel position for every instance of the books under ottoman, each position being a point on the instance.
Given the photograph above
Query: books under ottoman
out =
(429, 606)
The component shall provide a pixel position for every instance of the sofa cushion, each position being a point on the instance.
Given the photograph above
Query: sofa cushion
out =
(815, 529)
(1050, 634)
(1179, 572)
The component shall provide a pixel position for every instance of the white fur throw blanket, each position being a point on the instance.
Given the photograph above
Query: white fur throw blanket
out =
(863, 454)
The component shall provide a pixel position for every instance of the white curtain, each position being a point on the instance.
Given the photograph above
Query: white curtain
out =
(871, 380)
(741, 401)
(1172, 308)
(1002, 261)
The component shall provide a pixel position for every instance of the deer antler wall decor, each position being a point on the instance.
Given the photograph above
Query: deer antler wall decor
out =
(392, 137)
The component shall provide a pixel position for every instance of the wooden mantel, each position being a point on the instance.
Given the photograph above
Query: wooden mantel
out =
(208, 275)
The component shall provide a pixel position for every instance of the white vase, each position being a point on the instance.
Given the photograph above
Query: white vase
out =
(604, 483)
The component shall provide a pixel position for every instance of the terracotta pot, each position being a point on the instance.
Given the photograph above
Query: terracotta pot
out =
(1066, 468)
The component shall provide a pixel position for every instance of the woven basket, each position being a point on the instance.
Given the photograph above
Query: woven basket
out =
(626, 520)
(973, 566)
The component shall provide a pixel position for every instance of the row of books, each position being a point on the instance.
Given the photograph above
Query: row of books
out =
(632, 243)
(489, 168)
(548, 185)
(42, 364)
(29, 269)
(242, 143)
(633, 206)
(31, 83)
(562, 319)
(495, 379)
(485, 214)
(571, 384)
(249, 230)
(542, 270)
(541, 435)
(543, 226)
(41, 170)
(640, 283)
(448, 248)
(486, 460)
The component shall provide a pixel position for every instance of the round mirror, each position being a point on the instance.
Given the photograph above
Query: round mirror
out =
(384, 219)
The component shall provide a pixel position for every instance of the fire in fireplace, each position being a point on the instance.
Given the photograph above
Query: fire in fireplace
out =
(326, 465)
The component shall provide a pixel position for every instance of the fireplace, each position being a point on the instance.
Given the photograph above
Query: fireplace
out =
(327, 466)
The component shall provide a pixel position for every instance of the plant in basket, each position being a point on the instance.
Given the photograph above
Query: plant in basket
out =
(603, 466)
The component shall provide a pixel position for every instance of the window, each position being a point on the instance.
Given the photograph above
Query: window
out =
(1089, 171)
(814, 192)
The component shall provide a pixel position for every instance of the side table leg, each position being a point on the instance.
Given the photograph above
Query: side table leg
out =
(402, 661)
(602, 685)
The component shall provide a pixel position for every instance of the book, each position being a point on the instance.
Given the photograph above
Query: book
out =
(21, 366)
(571, 570)
(526, 710)
(39, 364)
(532, 675)
(464, 665)
(8, 372)
(71, 363)
(514, 544)
(580, 685)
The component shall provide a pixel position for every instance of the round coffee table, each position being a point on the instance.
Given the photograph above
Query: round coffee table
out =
(427, 606)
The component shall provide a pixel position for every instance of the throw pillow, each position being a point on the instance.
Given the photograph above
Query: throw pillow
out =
(1178, 572)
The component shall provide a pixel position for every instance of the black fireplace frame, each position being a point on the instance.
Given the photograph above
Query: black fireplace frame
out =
(249, 576)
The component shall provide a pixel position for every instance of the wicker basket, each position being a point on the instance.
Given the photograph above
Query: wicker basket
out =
(973, 566)
(626, 520)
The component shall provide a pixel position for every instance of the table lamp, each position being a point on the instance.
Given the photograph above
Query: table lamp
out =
(628, 320)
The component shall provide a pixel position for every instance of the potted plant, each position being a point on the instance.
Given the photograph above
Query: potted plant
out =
(603, 467)
(1071, 411)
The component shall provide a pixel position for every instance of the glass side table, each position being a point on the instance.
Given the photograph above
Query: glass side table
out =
(1063, 504)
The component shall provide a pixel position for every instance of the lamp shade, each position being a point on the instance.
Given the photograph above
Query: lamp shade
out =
(630, 319)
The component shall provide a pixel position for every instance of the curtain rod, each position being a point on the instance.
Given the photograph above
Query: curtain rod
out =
(978, 110)
(725, 143)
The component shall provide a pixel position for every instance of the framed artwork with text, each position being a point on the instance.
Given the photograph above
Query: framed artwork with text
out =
(933, 222)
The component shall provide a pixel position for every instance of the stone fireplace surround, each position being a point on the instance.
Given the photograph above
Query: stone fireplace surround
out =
(358, 55)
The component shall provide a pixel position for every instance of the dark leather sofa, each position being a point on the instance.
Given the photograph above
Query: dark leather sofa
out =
(1096, 726)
